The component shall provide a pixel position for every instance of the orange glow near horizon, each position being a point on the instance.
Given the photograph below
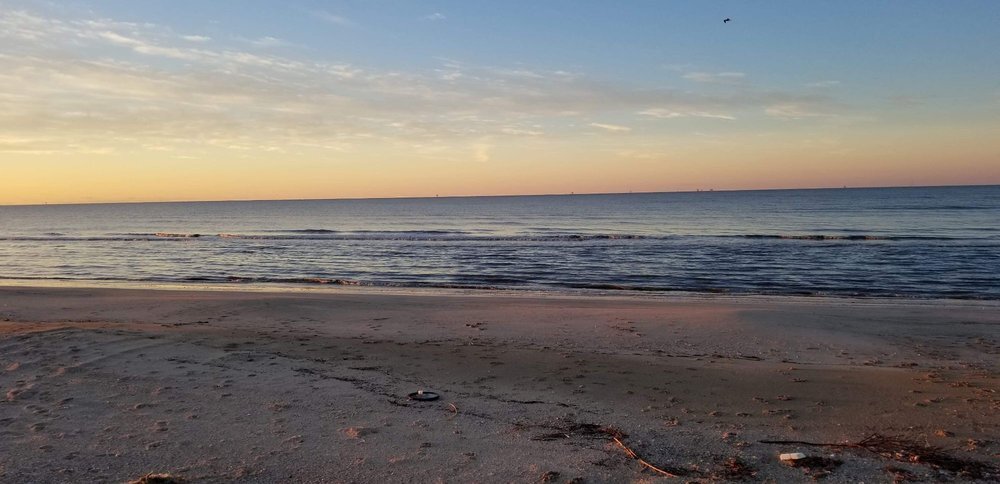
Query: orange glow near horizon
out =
(96, 108)
(582, 166)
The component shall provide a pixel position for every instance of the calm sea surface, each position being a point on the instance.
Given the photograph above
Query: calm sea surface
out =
(906, 242)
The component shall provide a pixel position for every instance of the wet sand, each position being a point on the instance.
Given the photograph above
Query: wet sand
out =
(110, 384)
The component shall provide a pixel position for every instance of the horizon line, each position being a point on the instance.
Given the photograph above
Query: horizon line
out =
(509, 195)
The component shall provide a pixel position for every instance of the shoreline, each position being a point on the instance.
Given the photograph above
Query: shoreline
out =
(431, 291)
(110, 384)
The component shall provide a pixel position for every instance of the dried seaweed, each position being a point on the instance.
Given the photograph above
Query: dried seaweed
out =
(158, 478)
(550, 476)
(580, 430)
(596, 431)
(817, 467)
(909, 451)
(899, 474)
(733, 469)
(904, 450)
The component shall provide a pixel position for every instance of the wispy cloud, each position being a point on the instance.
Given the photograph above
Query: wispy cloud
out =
(614, 128)
(94, 84)
(823, 84)
(793, 111)
(482, 152)
(331, 18)
(535, 130)
(196, 38)
(640, 154)
(907, 100)
(269, 42)
(434, 16)
(716, 77)
(664, 113)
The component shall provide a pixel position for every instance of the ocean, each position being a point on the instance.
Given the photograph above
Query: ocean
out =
(936, 242)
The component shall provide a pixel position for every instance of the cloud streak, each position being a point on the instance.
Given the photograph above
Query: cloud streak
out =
(614, 128)
(94, 85)
(331, 18)
(666, 113)
(716, 78)
(793, 111)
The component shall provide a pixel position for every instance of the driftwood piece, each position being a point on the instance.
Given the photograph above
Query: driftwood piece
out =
(631, 453)
(616, 436)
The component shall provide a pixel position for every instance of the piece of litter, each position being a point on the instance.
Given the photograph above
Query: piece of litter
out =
(792, 456)
(423, 396)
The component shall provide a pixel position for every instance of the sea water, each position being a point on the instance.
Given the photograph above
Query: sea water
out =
(938, 242)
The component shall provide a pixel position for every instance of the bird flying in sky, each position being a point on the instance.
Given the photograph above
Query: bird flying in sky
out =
(727, 20)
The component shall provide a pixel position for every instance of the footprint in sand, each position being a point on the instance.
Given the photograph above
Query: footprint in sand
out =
(358, 432)
(20, 392)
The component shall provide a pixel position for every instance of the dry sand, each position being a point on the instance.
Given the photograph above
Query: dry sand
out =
(105, 385)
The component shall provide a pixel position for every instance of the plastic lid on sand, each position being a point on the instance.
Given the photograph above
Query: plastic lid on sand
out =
(423, 396)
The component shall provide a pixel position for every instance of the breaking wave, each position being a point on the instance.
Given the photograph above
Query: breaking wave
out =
(842, 237)
(458, 236)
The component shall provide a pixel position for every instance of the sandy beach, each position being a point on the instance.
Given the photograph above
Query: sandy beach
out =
(107, 385)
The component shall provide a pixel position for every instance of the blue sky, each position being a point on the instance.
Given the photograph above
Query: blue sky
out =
(788, 41)
(518, 83)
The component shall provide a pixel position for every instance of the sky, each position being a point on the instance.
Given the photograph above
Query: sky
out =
(156, 100)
